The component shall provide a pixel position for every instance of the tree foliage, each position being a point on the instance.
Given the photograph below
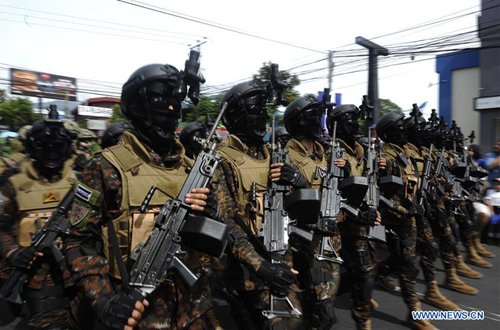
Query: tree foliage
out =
(386, 106)
(17, 112)
(117, 114)
(206, 107)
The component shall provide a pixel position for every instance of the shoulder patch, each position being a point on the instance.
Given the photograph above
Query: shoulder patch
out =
(83, 193)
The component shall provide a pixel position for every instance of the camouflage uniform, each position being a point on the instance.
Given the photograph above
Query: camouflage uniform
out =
(463, 225)
(441, 225)
(28, 200)
(173, 305)
(239, 169)
(401, 239)
(426, 246)
(320, 279)
(361, 261)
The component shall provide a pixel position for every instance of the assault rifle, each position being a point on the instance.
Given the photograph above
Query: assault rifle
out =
(376, 185)
(331, 202)
(43, 240)
(174, 224)
(424, 188)
(275, 227)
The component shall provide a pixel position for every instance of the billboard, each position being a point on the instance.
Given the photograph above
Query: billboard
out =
(41, 84)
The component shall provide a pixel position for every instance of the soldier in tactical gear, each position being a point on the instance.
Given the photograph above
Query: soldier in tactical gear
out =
(319, 278)
(113, 187)
(114, 132)
(28, 199)
(427, 246)
(189, 135)
(452, 257)
(245, 163)
(355, 244)
(400, 221)
(457, 204)
(282, 136)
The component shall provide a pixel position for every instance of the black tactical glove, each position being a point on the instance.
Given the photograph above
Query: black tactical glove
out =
(212, 210)
(22, 257)
(292, 176)
(415, 210)
(368, 216)
(114, 309)
(278, 277)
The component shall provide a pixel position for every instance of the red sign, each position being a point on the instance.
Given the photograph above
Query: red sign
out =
(41, 84)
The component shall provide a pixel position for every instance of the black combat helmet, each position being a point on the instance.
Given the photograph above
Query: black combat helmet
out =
(49, 145)
(391, 128)
(151, 99)
(281, 135)
(346, 116)
(113, 133)
(415, 125)
(302, 118)
(246, 114)
(187, 137)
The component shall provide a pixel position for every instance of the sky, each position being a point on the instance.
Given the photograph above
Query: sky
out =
(101, 42)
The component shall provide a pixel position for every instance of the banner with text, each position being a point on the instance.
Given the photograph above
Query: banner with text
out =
(42, 84)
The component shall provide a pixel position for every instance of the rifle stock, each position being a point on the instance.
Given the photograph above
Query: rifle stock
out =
(42, 240)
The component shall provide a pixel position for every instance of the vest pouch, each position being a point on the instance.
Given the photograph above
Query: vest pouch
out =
(142, 225)
(477, 172)
(205, 235)
(469, 182)
(390, 185)
(303, 205)
(458, 169)
(353, 189)
(29, 225)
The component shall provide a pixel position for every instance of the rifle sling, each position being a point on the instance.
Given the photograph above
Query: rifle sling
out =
(113, 241)
(257, 244)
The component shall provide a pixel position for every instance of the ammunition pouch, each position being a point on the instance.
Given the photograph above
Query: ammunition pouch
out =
(303, 205)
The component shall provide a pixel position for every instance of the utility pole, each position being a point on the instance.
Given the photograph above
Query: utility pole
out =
(330, 69)
(374, 50)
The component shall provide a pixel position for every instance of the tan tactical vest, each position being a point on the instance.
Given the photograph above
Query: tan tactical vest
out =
(137, 173)
(354, 157)
(36, 199)
(408, 174)
(12, 160)
(298, 156)
(248, 170)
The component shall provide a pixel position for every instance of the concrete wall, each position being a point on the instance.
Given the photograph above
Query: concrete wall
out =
(464, 88)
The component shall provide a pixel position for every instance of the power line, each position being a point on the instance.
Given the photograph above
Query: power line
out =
(213, 24)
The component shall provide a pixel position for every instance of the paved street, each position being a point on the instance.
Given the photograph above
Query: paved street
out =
(392, 312)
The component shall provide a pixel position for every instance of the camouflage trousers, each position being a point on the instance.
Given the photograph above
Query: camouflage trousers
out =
(46, 297)
(319, 279)
(360, 262)
(461, 223)
(401, 243)
(441, 229)
(427, 248)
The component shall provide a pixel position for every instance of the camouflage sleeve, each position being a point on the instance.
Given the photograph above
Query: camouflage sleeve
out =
(8, 218)
(391, 167)
(240, 246)
(100, 187)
